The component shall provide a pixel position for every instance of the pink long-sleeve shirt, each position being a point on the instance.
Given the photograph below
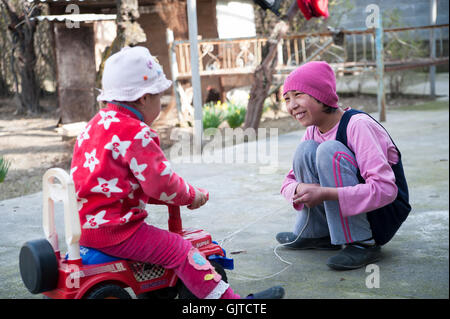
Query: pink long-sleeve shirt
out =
(375, 154)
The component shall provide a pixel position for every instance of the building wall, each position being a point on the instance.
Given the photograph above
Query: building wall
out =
(173, 15)
(235, 19)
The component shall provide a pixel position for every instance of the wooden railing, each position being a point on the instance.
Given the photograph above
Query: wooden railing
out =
(229, 56)
(348, 51)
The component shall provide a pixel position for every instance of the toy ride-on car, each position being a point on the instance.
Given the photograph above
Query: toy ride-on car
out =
(88, 273)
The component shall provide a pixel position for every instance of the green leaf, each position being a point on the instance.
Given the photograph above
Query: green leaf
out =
(4, 167)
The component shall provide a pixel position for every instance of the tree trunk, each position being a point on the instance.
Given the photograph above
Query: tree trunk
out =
(263, 77)
(129, 32)
(30, 88)
(4, 90)
(22, 30)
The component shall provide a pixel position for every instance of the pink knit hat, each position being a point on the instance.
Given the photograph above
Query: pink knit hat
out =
(316, 79)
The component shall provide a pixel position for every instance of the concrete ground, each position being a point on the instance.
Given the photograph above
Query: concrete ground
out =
(245, 211)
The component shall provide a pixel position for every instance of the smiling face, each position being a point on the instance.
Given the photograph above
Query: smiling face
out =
(309, 111)
(305, 109)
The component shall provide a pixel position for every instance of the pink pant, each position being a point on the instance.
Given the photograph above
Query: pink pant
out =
(152, 245)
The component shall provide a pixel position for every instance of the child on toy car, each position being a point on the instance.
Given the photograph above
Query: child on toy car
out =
(118, 167)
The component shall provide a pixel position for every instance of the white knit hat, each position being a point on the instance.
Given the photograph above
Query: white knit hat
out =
(131, 73)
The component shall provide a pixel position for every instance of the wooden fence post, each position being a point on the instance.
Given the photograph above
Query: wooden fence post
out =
(174, 70)
(381, 100)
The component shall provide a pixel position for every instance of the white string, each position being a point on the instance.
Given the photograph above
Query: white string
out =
(242, 276)
(229, 237)
(298, 236)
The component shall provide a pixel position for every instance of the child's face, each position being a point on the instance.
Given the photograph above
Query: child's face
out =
(304, 108)
(150, 107)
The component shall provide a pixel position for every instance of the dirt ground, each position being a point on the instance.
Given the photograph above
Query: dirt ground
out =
(33, 145)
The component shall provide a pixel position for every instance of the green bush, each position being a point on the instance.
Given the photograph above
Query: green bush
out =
(235, 115)
(4, 167)
(231, 112)
(213, 115)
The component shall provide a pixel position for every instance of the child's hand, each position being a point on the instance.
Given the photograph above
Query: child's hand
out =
(313, 194)
(201, 197)
(308, 194)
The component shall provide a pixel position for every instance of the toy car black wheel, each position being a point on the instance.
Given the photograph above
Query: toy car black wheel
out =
(185, 293)
(107, 291)
(38, 266)
(164, 293)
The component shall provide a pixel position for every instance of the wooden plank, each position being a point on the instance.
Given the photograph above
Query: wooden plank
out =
(303, 50)
(297, 60)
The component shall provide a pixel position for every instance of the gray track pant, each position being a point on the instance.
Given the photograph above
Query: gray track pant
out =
(319, 164)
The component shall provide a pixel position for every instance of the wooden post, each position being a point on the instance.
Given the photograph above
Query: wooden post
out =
(433, 14)
(280, 53)
(196, 84)
(381, 100)
(174, 70)
(75, 73)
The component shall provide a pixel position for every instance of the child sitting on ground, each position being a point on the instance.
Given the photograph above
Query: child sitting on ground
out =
(118, 167)
(347, 181)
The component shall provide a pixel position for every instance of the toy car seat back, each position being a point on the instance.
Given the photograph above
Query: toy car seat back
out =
(63, 191)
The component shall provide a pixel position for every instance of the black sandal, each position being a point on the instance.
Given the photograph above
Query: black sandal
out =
(290, 240)
(276, 292)
(355, 255)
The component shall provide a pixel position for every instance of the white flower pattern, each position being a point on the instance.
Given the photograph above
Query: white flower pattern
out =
(137, 169)
(80, 202)
(91, 160)
(84, 135)
(167, 170)
(106, 187)
(133, 188)
(108, 118)
(117, 146)
(146, 135)
(94, 221)
(126, 218)
(168, 199)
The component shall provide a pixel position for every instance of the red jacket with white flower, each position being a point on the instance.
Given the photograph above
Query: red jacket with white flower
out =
(117, 166)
